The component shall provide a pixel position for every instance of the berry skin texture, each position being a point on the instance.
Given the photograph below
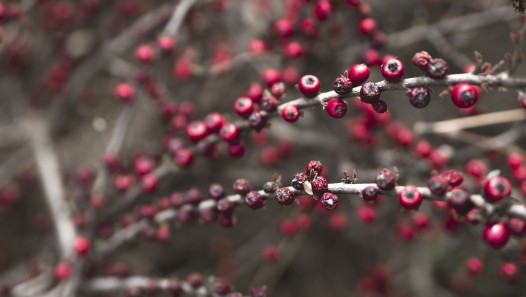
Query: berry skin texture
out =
(254, 200)
(438, 185)
(386, 180)
(124, 92)
(496, 188)
(82, 246)
(437, 68)
(370, 194)
(460, 201)
(464, 95)
(336, 108)
(319, 186)
(317, 166)
(290, 113)
(229, 133)
(421, 59)
(236, 150)
(241, 186)
(284, 196)
(216, 191)
(367, 26)
(309, 85)
(509, 272)
(379, 106)
(496, 235)
(474, 266)
(342, 85)
(244, 107)
(419, 97)
(298, 180)
(329, 201)
(358, 74)
(454, 178)
(410, 197)
(393, 70)
(370, 92)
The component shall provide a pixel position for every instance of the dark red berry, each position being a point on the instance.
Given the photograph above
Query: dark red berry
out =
(216, 191)
(393, 70)
(410, 197)
(269, 103)
(454, 178)
(290, 113)
(419, 97)
(236, 150)
(319, 186)
(358, 74)
(284, 196)
(386, 180)
(255, 92)
(370, 92)
(421, 59)
(496, 188)
(379, 106)
(496, 235)
(438, 185)
(241, 186)
(315, 166)
(460, 201)
(464, 95)
(270, 187)
(229, 133)
(342, 85)
(254, 200)
(257, 121)
(336, 108)
(437, 68)
(309, 85)
(370, 194)
(329, 201)
(225, 206)
(195, 280)
(298, 180)
(517, 226)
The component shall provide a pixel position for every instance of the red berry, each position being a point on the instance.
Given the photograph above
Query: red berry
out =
(423, 149)
(464, 95)
(496, 188)
(517, 226)
(213, 121)
(410, 197)
(82, 246)
(271, 253)
(290, 113)
(509, 271)
(367, 26)
(323, 10)
(437, 159)
(474, 266)
(515, 160)
(438, 185)
(257, 46)
(283, 28)
(319, 186)
(358, 74)
(230, 133)
(367, 214)
(195, 280)
(255, 92)
(288, 227)
(123, 182)
(166, 44)
(496, 235)
(254, 200)
(196, 131)
(62, 271)
(454, 178)
(269, 103)
(236, 150)
(393, 70)
(309, 28)
(329, 201)
(241, 186)
(144, 53)
(284, 196)
(124, 92)
(257, 121)
(336, 108)
(183, 157)
(298, 180)
(421, 221)
(244, 106)
(293, 50)
(309, 85)
(371, 58)
(460, 201)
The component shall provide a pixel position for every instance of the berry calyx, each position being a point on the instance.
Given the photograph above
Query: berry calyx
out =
(410, 197)
(290, 113)
(309, 85)
(496, 235)
(393, 70)
(464, 95)
(358, 74)
(336, 108)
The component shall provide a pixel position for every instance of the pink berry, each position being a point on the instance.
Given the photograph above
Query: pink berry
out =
(244, 106)
(496, 235)
(183, 157)
(367, 214)
(496, 188)
(323, 10)
(393, 70)
(144, 53)
(474, 266)
(476, 168)
(464, 95)
(309, 85)
(293, 50)
(367, 26)
(271, 253)
(149, 183)
(236, 150)
(515, 160)
(283, 28)
(290, 113)
(124, 92)
(82, 246)
(271, 77)
(358, 74)
(62, 271)
(213, 121)
(196, 131)
(166, 44)
(509, 272)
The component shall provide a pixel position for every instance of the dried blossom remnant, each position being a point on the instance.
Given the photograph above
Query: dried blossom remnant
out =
(519, 5)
